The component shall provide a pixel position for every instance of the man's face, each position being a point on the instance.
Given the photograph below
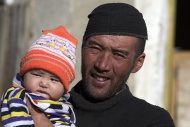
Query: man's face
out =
(107, 62)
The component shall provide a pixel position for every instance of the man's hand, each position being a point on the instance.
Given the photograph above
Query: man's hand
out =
(39, 118)
(32, 109)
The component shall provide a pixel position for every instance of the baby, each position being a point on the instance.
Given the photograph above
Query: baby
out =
(46, 71)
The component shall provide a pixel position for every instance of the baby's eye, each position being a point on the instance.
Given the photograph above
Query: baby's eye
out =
(36, 74)
(55, 80)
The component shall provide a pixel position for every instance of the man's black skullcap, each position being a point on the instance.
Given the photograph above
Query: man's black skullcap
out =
(116, 19)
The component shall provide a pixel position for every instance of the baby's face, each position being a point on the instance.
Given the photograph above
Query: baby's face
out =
(43, 83)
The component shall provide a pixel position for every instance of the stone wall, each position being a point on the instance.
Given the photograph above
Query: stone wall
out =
(14, 36)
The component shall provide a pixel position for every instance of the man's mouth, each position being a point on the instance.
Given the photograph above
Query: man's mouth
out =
(100, 78)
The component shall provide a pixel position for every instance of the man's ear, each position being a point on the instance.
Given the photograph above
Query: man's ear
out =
(138, 63)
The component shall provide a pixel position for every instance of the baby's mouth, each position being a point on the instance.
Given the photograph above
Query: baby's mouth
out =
(41, 92)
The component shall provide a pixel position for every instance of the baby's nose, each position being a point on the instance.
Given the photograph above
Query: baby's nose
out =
(44, 83)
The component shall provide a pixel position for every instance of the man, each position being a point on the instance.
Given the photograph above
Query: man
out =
(112, 49)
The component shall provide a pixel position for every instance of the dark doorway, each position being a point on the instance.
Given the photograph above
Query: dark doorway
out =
(182, 34)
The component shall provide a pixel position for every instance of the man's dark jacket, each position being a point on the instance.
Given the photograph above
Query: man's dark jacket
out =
(122, 110)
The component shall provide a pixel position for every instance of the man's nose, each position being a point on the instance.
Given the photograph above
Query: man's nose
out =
(103, 62)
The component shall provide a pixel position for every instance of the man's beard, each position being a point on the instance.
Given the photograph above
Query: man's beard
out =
(94, 96)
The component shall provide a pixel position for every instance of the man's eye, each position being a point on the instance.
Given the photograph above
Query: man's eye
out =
(119, 55)
(95, 48)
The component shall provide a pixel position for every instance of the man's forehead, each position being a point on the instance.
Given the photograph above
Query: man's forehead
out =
(114, 38)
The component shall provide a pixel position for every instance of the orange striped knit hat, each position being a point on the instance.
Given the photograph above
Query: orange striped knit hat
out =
(54, 51)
